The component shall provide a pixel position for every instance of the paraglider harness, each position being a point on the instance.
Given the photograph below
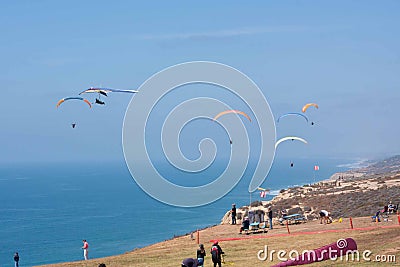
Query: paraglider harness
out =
(99, 102)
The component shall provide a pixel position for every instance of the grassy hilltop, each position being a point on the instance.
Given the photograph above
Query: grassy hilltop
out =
(357, 194)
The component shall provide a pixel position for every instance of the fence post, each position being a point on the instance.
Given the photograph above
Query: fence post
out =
(198, 236)
(398, 218)
(287, 226)
(351, 223)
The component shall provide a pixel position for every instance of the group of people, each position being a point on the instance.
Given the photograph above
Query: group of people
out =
(216, 251)
(216, 256)
(246, 221)
(387, 209)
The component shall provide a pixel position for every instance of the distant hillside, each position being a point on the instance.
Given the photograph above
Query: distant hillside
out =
(359, 192)
(390, 165)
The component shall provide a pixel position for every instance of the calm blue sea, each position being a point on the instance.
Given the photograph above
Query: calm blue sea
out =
(47, 209)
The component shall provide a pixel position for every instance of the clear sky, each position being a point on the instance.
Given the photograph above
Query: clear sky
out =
(343, 55)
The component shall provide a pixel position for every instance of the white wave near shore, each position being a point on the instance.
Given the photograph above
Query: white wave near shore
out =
(359, 163)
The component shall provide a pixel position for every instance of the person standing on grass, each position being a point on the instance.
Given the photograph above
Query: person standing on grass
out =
(216, 254)
(201, 253)
(270, 217)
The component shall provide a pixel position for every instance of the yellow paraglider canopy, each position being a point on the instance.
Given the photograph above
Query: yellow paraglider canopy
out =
(306, 106)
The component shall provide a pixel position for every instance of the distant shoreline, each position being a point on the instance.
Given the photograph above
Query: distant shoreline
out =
(324, 191)
(348, 173)
(371, 187)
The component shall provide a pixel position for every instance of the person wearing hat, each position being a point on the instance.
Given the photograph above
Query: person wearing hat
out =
(216, 253)
(189, 262)
(233, 213)
(201, 253)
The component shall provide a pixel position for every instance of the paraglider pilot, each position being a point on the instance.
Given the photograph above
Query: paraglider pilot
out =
(98, 101)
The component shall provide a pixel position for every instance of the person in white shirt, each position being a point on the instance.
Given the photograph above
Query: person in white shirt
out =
(85, 249)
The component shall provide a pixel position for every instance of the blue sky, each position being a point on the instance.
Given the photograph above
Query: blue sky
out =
(343, 55)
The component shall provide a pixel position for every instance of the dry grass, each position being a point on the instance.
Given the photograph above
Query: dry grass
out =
(360, 194)
(243, 253)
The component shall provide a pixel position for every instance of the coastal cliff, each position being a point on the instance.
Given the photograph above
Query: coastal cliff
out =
(355, 196)
(355, 193)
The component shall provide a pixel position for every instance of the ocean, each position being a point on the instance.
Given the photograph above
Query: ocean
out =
(47, 209)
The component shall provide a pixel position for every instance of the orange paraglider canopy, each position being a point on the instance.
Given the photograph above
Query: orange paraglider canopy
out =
(231, 111)
(306, 106)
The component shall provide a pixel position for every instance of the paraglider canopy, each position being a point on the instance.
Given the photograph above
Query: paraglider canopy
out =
(231, 111)
(289, 138)
(104, 91)
(306, 106)
(72, 98)
(293, 114)
(73, 123)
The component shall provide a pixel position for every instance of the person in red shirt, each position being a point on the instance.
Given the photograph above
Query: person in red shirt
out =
(85, 249)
